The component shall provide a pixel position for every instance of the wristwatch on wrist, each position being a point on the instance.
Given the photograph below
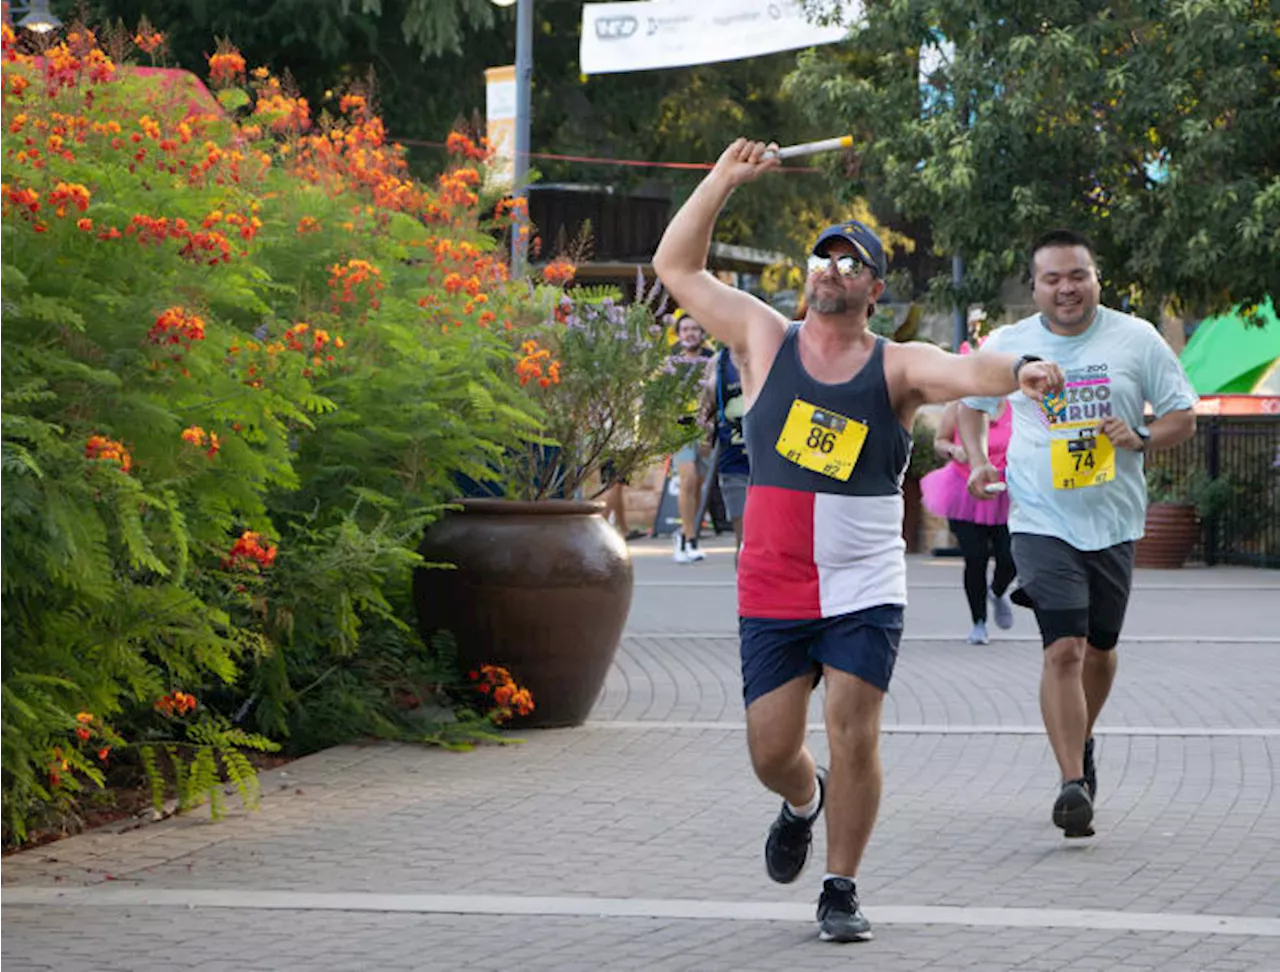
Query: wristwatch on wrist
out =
(1026, 358)
(1143, 433)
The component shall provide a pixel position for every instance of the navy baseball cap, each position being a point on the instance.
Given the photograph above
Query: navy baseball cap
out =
(865, 243)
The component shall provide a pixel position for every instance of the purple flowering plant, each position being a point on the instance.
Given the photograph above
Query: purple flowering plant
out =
(618, 401)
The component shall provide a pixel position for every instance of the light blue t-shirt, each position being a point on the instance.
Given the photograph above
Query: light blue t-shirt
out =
(1113, 368)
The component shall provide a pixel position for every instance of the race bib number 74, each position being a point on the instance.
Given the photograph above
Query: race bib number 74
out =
(1079, 463)
(822, 441)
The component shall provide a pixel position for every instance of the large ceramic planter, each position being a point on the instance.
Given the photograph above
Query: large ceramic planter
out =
(1170, 533)
(541, 588)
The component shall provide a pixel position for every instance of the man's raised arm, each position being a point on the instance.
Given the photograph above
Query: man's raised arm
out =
(681, 259)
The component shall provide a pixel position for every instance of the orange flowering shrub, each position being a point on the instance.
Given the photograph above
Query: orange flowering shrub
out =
(228, 317)
(501, 697)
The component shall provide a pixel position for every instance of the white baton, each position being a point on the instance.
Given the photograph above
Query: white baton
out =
(812, 148)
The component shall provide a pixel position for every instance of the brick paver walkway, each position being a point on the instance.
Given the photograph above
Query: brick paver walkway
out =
(635, 842)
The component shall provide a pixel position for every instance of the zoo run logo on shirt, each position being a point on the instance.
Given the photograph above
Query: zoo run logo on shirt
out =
(1083, 402)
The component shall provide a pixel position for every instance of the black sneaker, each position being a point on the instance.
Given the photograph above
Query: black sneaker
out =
(787, 848)
(1073, 810)
(1090, 770)
(839, 917)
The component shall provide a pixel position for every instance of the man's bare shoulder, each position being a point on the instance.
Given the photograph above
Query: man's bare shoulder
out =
(913, 354)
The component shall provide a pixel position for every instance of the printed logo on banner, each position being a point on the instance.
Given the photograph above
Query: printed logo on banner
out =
(616, 28)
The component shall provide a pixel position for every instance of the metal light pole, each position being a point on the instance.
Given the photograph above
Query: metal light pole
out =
(520, 167)
(37, 17)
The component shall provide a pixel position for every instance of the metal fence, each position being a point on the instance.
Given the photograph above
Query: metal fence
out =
(1232, 469)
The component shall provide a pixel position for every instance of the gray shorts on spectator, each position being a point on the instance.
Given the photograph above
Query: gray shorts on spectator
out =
(733, 488)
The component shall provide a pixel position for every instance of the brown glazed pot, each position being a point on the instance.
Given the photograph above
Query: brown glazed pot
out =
(1171, 531)
(542, 589)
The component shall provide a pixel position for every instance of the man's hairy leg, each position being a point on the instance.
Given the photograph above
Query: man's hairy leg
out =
(855, 777)
(775, 738)
(1063, 704)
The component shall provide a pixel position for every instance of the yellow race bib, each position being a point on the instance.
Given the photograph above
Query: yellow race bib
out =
(1086, 461)
(822, 441)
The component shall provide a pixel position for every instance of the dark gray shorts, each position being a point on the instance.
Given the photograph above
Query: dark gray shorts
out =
(733, 489)
(1076, 593)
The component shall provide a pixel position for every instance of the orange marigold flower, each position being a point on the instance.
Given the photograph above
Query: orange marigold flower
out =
(108, 450)
(176, 703)
(226, 66)
(85, 224)
(559, 272)
(84, 717)
(65, 193)
(248, 553)
(150, 42)
(176, 325)
(27, 199)
(459, 144)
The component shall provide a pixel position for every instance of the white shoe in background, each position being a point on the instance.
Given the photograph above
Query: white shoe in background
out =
(681, 554)
(978, 636)
(1002, 607)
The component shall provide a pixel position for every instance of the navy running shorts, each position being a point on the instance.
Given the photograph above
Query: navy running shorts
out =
(862, 643)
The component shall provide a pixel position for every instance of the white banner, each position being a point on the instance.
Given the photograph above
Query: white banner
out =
(643, 35)
(500, 125)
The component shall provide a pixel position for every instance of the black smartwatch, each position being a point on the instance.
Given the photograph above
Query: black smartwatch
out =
(1017, 365)
(1143, 433)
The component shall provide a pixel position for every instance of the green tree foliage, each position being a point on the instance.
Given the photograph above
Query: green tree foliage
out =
(1148, 124)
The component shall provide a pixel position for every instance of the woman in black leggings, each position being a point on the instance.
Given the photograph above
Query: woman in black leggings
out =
(979, 525)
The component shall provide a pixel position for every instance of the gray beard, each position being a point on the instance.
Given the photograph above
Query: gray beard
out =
(832, 304)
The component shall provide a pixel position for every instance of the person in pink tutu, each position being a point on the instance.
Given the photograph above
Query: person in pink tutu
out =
(980, 526)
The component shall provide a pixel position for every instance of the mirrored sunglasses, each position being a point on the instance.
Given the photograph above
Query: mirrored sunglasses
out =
(847, 265)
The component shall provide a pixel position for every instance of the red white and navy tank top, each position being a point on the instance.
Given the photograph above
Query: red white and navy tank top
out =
(822, 536)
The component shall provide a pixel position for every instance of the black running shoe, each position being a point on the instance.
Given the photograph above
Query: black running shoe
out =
(1073, 810)
(1090, 770)
(787, 848)
(839, 917)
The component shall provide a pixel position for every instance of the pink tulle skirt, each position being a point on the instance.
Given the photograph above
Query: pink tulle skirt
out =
(944, 494)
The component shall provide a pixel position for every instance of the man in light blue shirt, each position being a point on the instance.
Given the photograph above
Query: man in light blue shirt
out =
(1079, 498)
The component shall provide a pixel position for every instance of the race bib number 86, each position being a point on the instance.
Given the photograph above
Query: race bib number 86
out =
(822, 441)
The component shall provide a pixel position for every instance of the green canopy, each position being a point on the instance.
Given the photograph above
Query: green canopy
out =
(1228, 355)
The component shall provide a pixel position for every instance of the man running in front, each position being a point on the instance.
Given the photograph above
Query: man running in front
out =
(822, 572)
(1077, 489)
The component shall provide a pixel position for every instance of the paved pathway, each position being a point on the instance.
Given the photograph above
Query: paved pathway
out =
(634, 842)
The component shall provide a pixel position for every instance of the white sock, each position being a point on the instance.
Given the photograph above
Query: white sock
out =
(828, 877)
(809, 809)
